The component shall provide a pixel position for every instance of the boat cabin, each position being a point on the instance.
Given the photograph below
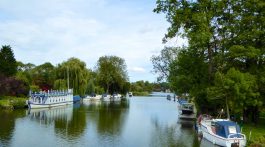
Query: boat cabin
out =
(226, 129)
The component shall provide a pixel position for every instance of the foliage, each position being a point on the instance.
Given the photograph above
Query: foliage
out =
(112, 74)
(78, 75)
(8, 65)
(60, 84)
(9, 102)
(43, 76)
(143, 93)
(142, 86)
(162, 62)
(91, 87)
(13, 87)
(256, 137)
(225, 40)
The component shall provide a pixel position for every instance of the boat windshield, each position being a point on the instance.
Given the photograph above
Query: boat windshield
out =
(232, 129)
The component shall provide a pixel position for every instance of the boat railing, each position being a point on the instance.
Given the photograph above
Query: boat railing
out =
(236, 135)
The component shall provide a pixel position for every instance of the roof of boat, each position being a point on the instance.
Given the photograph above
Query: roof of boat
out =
(225, 123)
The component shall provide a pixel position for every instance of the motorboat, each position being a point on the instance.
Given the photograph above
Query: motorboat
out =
(221, 132)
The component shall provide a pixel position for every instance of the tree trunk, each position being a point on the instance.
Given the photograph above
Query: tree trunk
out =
(210, 67)
(227, 108)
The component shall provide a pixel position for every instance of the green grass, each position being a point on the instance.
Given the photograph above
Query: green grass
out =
(257, 136)
(8, 102)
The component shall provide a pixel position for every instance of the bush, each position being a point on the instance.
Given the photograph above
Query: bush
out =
(18, 103)
(12, 86)
(140, 93)
(9, 102)
(5, 104)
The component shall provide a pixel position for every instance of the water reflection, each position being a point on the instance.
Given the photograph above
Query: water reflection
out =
(75, 127)
(109, 117)
(142, 121)
(7, 125)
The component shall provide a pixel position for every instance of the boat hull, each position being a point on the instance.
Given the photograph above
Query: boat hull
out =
(38, 106)
(218, 140)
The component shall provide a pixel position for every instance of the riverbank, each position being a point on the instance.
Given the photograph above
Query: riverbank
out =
(9, 102)
(255, 133)
(144, 93)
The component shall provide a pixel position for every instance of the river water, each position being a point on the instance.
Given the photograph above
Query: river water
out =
(138, 122)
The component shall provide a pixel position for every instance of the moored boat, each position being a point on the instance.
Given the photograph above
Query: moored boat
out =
(51, 98)
(130, 94)
(186, 110)
(222, 132)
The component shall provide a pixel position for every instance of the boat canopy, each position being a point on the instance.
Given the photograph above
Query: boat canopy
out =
(182, 101)
(225, 128)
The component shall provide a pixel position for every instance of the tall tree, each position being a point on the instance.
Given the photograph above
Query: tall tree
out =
(227, 37)
(112, 73)
(8, 64)
(162, 62)
(43, 76)
(78, 74)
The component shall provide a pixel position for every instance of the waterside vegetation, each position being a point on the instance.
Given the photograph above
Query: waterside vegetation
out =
(109, 76)
(223, 66)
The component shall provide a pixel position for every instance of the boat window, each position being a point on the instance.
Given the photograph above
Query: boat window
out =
(232, 129)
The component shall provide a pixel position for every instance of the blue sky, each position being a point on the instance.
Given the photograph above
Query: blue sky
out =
(55, 30)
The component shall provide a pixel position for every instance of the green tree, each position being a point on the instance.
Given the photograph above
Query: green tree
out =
(8, 64)
(78, 74)
(223, 36)
(111, 73)
(43, 76)
(162, 62)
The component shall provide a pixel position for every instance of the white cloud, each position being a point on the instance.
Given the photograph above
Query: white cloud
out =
(137, 69)
(49, 31)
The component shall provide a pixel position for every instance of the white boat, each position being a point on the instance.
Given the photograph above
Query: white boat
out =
(221, 132)
(186, 110)
(105, 97)
(95, 98)
(115, 97)
(130, 94)
(51, 98)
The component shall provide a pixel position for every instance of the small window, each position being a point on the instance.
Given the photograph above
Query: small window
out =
(232, 129)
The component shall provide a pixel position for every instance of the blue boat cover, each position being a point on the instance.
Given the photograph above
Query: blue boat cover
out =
(182, 101)
(224, 128)
(77, 98)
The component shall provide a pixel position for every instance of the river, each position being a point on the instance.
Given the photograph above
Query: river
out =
(138, 122)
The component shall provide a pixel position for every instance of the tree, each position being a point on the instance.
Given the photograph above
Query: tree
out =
(78, 74)
(239, 90)
(224, 36)
(43, 76)
(111, 73)
(8, 64)
(162, 62)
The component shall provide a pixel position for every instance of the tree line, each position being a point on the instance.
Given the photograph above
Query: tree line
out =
(17, 78)
(222, 67)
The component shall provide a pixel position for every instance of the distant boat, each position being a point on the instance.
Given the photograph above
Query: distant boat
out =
(95, 97)
(115, 97)
(105, 97)
(222, 132)
(168, 97)
(51, 98)
(130, 94)
(186, 110)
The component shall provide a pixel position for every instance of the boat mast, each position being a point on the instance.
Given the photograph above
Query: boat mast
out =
(67, 78)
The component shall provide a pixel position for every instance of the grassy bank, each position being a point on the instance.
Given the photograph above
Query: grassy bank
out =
(8, 102)
(255, 133)
(144, 93)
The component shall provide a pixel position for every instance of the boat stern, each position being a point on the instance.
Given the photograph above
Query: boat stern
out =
(236, 143)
